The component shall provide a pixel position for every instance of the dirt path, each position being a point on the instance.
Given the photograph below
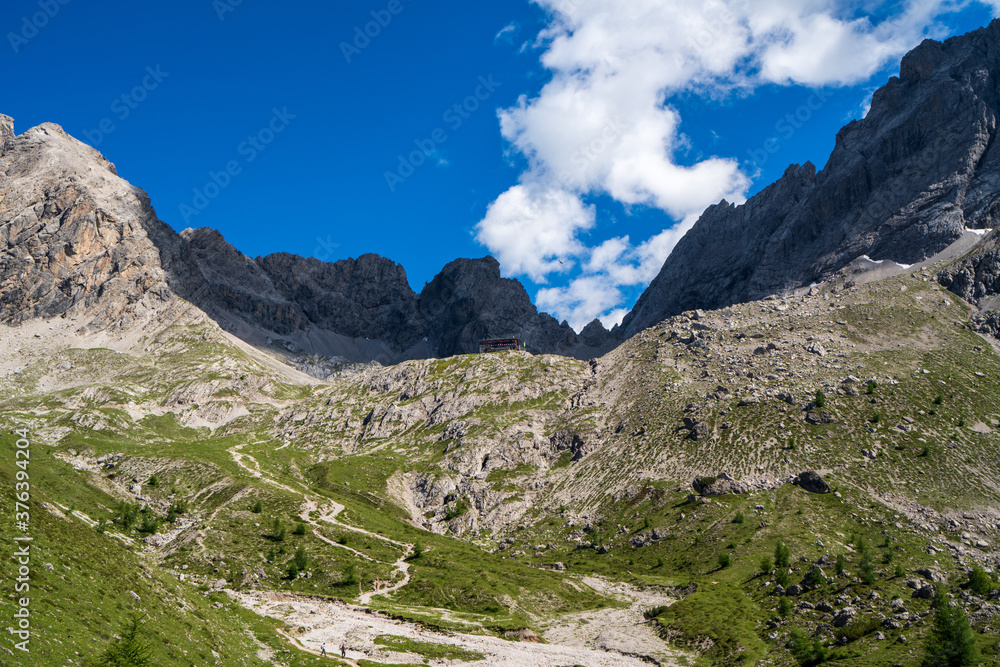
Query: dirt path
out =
(328, 514)
(333, 623)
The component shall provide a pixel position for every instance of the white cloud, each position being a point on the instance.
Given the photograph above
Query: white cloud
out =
(507, 34)
(533, 231)
(604, 124)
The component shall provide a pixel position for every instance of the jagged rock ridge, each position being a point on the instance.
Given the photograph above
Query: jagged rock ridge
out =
(79, 241)
(902, 184)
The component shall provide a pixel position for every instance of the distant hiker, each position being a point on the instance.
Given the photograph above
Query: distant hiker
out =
(343, 650)
(322, 649)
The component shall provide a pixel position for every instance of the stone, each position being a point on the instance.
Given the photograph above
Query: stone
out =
(844, 616)
(812, 482)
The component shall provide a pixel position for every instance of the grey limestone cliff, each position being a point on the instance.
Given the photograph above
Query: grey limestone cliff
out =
(902, 184)
(78, 241)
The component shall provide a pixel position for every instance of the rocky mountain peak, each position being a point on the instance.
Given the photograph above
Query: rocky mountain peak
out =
(901, 184)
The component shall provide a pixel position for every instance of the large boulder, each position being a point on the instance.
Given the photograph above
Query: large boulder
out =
(812, 482)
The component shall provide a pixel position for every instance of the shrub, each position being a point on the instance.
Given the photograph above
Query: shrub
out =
(872, 386)
(939, 399)
(820, 399)
(900, 572)
(153, 482)
(860, 628)
(300, 529)
(724, 560)
(841, 562)
(127, 514)
(807, 652)
(784, 607)
(887, 557)
(257, 508)
(739, 518)
(980, 582)
(350, 576)
(418, 549)
(766, 565)
(660, 563)
(101, 526)
(149, 524)
(646, 523)
(876, 418)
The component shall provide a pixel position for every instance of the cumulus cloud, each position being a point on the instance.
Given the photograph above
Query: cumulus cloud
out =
(604, 124)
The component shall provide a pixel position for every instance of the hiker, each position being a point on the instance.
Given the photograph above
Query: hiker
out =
(322, 649)
(343, 650)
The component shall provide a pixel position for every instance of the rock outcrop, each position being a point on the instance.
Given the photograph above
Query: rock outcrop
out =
(902, 184)
(79, 241)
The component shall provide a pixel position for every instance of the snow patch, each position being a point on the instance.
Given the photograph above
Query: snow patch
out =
(883, 261)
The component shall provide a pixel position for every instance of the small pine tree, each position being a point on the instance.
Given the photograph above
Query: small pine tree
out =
(301, 560)
(783, 578)
(418, 549)
(660, 563)
(807, 652)
(258, 507)
(872, 386)
(782, 555)
(939, 399)
(271, 555)
(724, 561)
(646, 523)
(784, 607)
(300, 529)
(293, 572)
(951, 642)
(841, 563)
(766, 565)
(900, 572)
(153, 482)
(739, 518)
(866, 570)
(350, 576)
(820, 399)
(278, 531)
(130, 649)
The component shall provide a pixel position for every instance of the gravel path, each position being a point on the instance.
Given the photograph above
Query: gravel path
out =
(316, 621)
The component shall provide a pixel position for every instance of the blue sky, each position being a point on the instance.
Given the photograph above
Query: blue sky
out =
(564, 137)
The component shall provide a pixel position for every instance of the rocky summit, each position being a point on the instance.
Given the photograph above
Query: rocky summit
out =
(787, 455)
(81, 242)
(901, 185)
